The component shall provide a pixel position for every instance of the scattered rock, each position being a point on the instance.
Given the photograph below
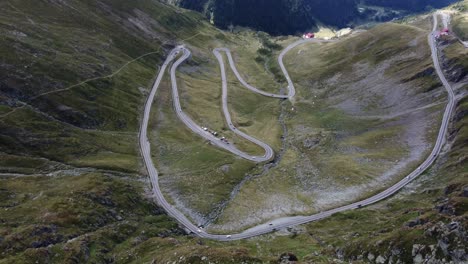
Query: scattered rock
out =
(226, 168)
(418, 259)
(340, 253)
(286, 258)
(311, 142)
(416, 249)
(415, 222)
(446, 209)
(450, 189)
(380, 260)
(18, 34)
(465, 192)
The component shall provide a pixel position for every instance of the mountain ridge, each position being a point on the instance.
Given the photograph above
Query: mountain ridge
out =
(284, 17)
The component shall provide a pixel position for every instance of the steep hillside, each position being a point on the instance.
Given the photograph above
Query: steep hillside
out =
(427, 221)
(358, 122)
(281, 17)
(74, 76)
(71, 76)
(460, 21)
(275, 17)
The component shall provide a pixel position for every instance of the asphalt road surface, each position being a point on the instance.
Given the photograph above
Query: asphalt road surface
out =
(287, 221)
(184, 54)
(241, 80)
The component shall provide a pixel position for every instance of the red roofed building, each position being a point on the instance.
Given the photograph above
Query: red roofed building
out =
(443, 32)
(308, 35)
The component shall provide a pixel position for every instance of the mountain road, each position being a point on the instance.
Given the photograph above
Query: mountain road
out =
(180, 54)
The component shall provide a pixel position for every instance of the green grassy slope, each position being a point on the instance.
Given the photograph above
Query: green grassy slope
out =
(70, 218)
(429, 213)
(74, 76)
(432, 211)
(423, 214)
(69, 159)
(72, 188)
(364, 106)
(454, 51)
(51, 47)
(460, 20)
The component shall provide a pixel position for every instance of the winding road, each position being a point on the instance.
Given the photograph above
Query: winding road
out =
(282, 222)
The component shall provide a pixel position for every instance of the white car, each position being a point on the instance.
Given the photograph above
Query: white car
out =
(228, 236)
(199, 230)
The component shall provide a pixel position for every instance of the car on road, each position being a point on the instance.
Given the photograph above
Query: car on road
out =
(228, 236)
(199, 230)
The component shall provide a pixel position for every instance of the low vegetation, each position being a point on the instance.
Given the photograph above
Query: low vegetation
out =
(73, 188)
(460, 20)
(347, 130)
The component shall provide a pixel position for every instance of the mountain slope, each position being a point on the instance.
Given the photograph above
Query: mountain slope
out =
(72, 188)
(283, 17)
(277, 17)
(73, 78)
(64, 87)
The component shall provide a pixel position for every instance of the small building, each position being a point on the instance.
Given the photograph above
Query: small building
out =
(308, 35)
(443, 32)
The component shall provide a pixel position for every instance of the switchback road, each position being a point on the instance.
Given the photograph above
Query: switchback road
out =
(288, 221)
